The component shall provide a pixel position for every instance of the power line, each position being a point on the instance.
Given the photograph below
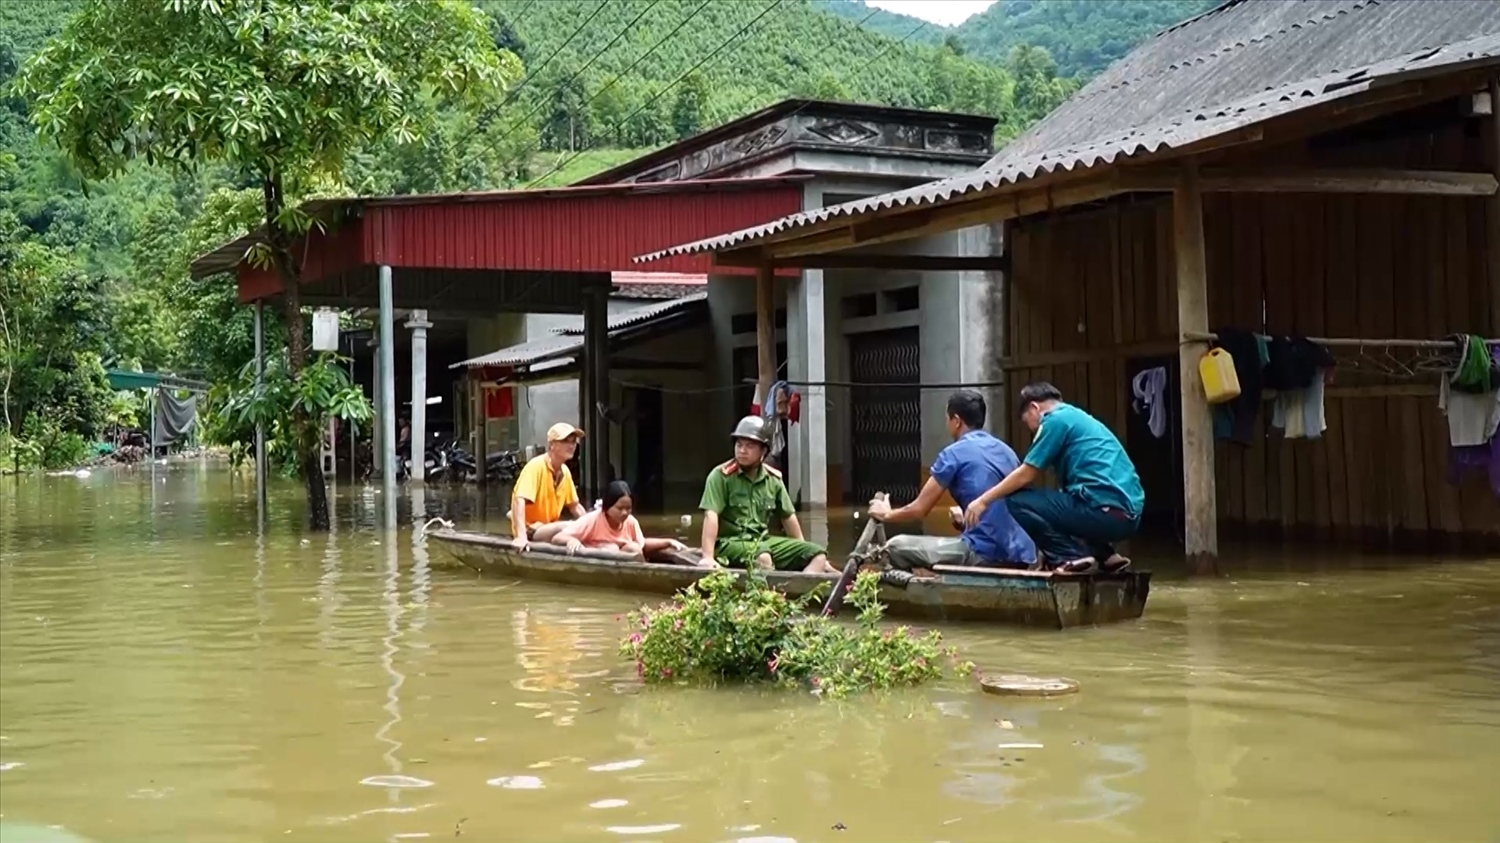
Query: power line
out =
(642, 57)
(510, 96)
(538, 107)
(705, 60)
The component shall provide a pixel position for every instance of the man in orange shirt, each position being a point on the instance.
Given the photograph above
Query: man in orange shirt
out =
(545, 488)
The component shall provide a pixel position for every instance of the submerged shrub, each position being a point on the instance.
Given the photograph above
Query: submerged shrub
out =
(738, 628)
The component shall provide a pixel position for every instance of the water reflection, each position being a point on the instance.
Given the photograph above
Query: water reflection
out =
(156, 681)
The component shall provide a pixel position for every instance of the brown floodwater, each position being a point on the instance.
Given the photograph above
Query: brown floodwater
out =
(169, 673)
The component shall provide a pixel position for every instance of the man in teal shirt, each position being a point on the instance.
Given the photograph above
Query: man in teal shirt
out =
(1100, 499)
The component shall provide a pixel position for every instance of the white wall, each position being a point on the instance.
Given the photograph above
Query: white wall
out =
(959, 343)
(541, 406)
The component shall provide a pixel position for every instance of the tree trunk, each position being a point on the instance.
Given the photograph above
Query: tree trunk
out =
(306, 432)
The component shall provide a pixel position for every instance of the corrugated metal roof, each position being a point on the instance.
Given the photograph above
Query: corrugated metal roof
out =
(568, 342)
(641, 315)
(654, 291)
(1241, 50)
(527, 353)
(586, 228)
(1299, 26)
(656, 285)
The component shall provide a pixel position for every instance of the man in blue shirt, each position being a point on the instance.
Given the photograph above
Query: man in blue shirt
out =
(965, 469)
(1100, 499)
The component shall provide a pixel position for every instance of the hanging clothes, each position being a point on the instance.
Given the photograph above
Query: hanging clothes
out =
(1472, 417)
(1150, 388)
(1293, 363)
(1476, 459)
(1235, 420)
(173, 418)
(1478, 369)
(1300, 412)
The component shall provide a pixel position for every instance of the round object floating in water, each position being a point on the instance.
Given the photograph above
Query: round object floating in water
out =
(1017, 685)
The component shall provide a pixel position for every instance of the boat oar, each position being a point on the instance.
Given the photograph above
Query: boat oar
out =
(872, 529)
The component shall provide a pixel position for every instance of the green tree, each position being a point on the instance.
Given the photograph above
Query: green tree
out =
(1038, 87)
(691, 104)
(282, 90)
(825, 86)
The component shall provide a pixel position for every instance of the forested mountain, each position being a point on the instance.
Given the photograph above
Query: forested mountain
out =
(893, 24)
(784, 48)
(1083, 36)
(96, 274)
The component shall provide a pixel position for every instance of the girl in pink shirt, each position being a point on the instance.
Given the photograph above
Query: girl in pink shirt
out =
(611, 527)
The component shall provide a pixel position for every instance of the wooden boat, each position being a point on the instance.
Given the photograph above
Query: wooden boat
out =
(1026, 598)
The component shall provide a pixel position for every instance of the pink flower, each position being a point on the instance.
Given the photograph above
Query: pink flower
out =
(635, 638)
(666, 673)
(773, 662)
(816, 681)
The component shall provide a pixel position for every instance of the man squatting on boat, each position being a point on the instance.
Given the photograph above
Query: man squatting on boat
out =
(1073, 528)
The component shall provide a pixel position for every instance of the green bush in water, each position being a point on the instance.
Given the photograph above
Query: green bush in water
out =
(738, 628)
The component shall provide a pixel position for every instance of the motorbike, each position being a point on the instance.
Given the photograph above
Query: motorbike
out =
(500, 465)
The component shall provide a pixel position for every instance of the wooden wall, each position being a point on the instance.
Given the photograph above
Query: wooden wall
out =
(1092, 297)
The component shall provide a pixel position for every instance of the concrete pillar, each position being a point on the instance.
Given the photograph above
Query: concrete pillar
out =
(418, 324)
(807, 344)
(375, 400)
(387, 409)
(260, 428)
(594, 389)
(960, 340)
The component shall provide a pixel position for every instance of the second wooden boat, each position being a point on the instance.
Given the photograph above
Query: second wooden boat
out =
(991, 595)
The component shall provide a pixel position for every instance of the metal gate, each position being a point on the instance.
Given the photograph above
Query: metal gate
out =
(885, 424)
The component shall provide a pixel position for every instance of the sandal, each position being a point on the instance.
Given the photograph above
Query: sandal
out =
(896, 577)
(1086, 565)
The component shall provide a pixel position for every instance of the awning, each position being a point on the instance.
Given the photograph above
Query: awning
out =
(625, 329)
(126, 379)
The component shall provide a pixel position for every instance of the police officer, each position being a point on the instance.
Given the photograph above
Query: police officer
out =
(739, 498)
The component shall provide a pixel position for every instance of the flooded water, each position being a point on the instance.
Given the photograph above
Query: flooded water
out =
(166, 674)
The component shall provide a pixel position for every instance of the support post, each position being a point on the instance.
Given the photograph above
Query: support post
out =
(1493, 211)
(153, 403)
(596, 372)
(481, 426)
(260, 428)
(418, 324)
(765, 328)
(1200, 528)
(387, 456)
(807, 344)
(376, 433)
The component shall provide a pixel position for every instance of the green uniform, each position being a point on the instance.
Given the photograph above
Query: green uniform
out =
(745, 506)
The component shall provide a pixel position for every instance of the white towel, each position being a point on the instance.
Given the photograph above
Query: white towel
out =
(1150, 386)
(1472, 417)
(1299, 412)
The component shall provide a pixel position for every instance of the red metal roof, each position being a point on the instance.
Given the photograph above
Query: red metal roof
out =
(576, 229)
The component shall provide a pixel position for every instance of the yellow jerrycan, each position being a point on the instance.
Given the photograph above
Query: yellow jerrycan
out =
(1220, 382)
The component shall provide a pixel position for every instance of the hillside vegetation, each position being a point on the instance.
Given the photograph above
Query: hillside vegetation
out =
(95, 274)
(1082, 36)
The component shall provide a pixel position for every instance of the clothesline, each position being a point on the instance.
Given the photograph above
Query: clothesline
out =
(1199, 336)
